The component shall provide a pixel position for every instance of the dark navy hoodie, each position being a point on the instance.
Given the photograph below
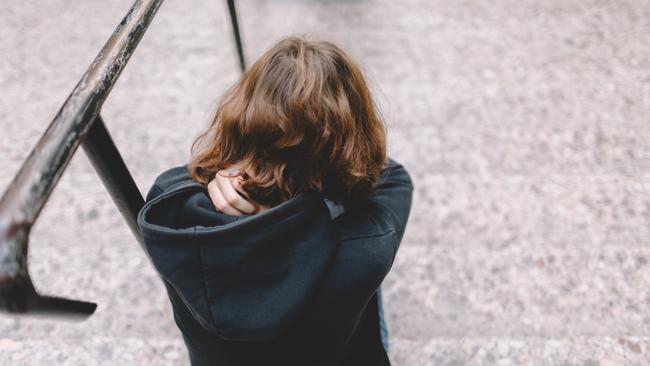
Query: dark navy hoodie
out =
(293, 285)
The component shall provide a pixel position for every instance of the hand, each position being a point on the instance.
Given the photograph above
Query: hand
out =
(228, 196)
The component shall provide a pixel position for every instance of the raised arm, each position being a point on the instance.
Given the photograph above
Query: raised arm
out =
(393, 197)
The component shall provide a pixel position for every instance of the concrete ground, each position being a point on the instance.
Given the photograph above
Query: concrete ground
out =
(524, 124)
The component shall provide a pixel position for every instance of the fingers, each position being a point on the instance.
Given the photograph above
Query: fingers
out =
(223, 191)
(219, 201)
(232, 197)
(236, 184)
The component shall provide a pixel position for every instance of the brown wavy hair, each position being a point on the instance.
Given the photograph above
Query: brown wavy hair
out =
(300, 118)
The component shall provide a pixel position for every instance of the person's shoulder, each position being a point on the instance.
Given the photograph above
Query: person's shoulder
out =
(167, 179)
(172, 176)
(397, 171)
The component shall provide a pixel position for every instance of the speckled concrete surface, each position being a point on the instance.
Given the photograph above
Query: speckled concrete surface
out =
(597, 351)
(524, 125)
(524, 290)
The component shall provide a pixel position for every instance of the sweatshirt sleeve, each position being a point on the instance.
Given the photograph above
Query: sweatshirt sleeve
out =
(393, 197)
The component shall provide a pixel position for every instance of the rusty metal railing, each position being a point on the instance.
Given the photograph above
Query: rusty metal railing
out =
(78, 122)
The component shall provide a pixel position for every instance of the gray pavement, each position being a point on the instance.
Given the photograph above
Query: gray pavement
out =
(524, 124)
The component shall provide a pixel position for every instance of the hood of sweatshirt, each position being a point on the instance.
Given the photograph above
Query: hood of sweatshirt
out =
(246, 277)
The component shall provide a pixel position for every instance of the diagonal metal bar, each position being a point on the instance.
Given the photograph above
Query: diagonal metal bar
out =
(108, 163)
(235, 29)
(31, 187)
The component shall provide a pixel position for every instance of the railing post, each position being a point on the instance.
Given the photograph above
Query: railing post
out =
(108, 163)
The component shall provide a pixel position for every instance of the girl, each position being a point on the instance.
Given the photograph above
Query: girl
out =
(273, 241)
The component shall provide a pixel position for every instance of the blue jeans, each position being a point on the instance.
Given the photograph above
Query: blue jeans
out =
(383, 329)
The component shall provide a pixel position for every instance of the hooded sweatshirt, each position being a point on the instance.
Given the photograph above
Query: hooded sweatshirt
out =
(292, 285)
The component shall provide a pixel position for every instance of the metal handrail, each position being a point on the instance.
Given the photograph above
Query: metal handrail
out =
(26, 195)
(77, 122)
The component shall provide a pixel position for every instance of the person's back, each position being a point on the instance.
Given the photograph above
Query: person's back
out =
(286, 270)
